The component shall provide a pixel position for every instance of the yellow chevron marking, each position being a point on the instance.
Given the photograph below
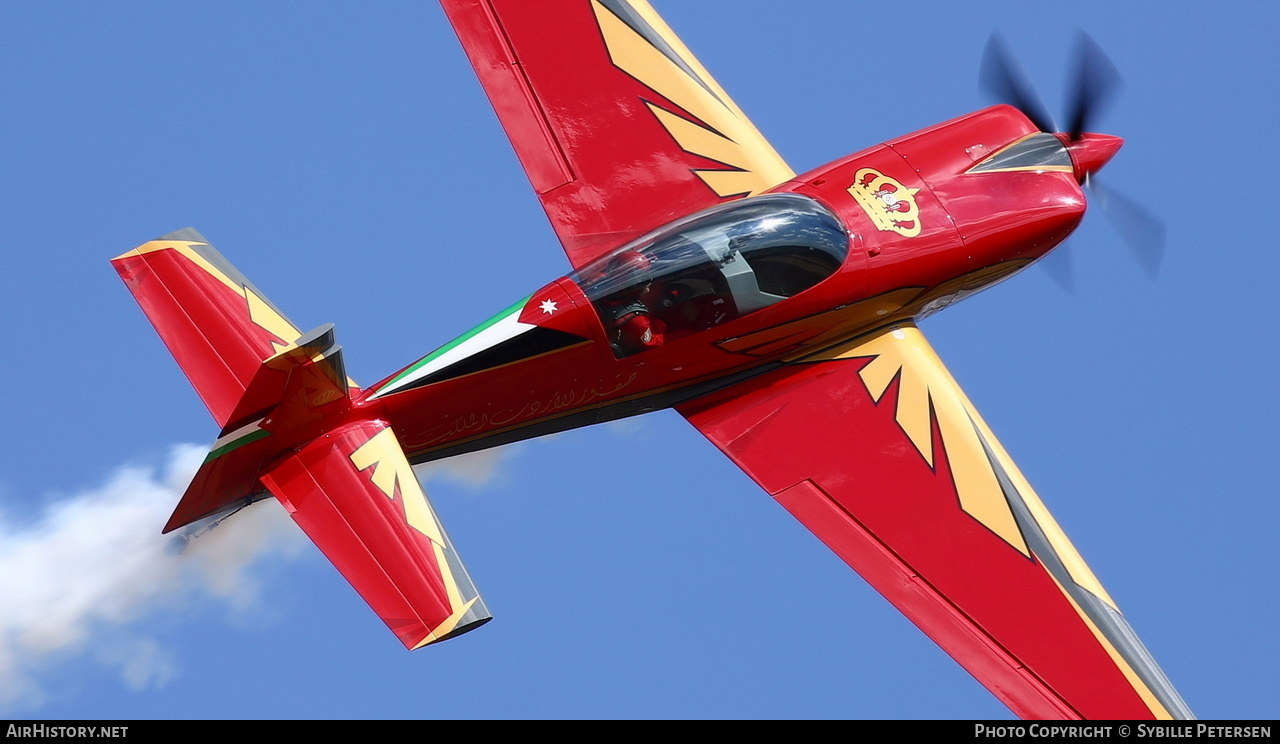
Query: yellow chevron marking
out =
(391, 471)
(260, 311)
(925, 380)
(927, 393)
(1152, 702)
(262, 314)
(735, 141)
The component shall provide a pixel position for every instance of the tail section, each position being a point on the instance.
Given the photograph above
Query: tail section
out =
(355, 495)
(290, 393)
(290, 427)
(216, 324)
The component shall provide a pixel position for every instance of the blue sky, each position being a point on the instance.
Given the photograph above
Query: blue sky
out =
(343, 156)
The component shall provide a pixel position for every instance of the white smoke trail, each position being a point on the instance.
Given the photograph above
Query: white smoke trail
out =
(94, 563)
(474, 470)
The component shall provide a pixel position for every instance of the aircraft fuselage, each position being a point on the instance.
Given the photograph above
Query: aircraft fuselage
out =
(892, 233)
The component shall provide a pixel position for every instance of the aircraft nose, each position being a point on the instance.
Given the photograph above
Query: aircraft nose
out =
(1092, 151)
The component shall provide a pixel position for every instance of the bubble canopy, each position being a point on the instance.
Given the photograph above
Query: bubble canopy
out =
(718, 264)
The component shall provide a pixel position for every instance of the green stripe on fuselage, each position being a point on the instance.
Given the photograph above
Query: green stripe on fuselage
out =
(512, 310)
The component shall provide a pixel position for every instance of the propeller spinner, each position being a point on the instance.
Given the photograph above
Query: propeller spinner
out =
(1095, 83)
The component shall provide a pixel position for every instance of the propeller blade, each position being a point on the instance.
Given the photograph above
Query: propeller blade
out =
(1060, 266)
(1095, 83)
(1004, 78)
(1140, 230)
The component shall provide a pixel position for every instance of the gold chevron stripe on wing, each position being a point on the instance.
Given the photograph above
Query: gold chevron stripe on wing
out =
(992, 490)
(873, 446)
(753, 166)
(927, 393)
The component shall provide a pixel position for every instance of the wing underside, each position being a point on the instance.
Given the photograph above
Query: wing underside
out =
(617, 125)
(874, 447)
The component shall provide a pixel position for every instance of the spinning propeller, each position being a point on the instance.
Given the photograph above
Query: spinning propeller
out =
(1096, 82)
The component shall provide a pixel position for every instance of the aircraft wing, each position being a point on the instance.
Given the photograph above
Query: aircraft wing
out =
(874, 447)
(618, 127)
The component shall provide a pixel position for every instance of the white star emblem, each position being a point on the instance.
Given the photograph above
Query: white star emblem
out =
(548, 306)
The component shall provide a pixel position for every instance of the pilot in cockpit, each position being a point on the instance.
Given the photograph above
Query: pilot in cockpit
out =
(628, 320)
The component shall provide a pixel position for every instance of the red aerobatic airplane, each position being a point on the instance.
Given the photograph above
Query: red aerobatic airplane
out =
(776, 312)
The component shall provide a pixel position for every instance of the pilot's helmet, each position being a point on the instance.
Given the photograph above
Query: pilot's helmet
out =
(630, 263)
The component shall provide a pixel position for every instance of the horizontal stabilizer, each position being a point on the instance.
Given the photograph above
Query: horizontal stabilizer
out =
(228, 476)
(355, 495)
(217, 325)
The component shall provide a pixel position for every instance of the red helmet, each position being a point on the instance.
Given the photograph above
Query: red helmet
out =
(629, 262)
